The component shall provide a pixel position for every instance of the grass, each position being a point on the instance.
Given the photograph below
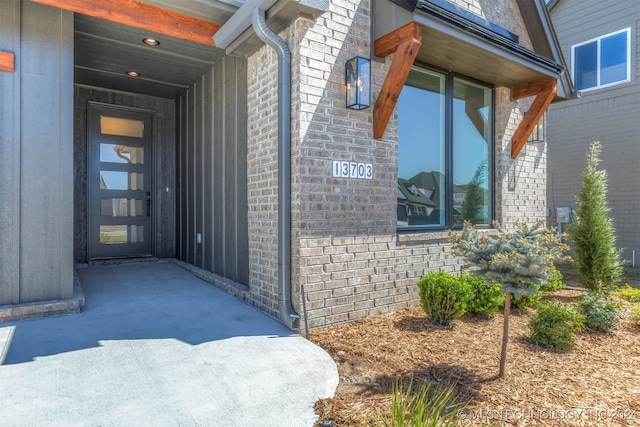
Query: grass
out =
(421, 406)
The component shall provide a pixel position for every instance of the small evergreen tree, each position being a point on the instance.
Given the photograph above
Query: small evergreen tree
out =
(517, 258)
(592, 234)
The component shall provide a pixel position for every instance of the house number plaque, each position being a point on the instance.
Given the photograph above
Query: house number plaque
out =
(357, 170)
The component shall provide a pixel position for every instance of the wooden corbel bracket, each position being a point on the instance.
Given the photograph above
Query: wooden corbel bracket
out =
(405, 42)
(544, 90)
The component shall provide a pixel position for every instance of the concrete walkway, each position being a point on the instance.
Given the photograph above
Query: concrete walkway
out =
(155, 346)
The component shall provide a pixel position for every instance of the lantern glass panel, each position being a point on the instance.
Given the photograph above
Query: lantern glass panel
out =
(358, 83)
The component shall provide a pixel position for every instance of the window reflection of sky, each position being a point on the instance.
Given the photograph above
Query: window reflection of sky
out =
(111, 180)
(421, 125)
(108, 154)
(470, 148)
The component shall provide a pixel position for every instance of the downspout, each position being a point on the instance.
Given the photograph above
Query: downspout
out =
(288, 314)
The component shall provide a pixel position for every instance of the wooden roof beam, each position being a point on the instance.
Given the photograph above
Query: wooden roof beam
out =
(405, 42)
(144, 16)
(544, 91)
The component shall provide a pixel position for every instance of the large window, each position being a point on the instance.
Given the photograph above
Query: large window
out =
(445, 128)
(602, 62)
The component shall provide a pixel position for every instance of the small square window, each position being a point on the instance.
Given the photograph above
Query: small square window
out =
(603, 61)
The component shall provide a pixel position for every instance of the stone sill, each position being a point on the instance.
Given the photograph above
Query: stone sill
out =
(431, 237)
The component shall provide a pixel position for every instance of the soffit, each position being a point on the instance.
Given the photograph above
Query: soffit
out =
(454, 49)
(105, 51)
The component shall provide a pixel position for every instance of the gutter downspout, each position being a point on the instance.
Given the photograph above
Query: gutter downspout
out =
(288, 314)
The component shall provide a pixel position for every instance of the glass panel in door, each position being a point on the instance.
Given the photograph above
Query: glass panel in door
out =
(119, 183)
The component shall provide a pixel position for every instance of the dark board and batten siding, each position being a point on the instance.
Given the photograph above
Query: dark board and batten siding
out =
(36, 160)
(212, 172)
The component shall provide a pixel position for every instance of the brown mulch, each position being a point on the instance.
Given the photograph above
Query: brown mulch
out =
(597, 383)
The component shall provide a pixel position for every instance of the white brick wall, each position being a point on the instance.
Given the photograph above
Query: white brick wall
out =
(346, 252)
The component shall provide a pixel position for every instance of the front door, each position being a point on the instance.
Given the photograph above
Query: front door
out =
(119, 180)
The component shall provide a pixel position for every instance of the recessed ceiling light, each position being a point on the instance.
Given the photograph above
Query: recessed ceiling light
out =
(151, 42)
(133, 74)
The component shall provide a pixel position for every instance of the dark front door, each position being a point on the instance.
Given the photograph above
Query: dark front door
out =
(119, 182)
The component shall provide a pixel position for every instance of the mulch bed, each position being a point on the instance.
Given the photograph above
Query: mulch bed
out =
(597, 383)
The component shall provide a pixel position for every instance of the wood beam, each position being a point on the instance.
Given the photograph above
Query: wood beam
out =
(405, 42)
(7, 62)
(544, 91)
(387, 44)
(525, 90)
(144, 16)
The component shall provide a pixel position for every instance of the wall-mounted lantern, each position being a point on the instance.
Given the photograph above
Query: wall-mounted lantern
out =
(358, 82)
(538, 130)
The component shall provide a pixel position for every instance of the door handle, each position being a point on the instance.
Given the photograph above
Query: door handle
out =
(148, 203)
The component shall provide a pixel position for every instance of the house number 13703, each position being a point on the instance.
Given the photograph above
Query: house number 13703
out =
(352, 170)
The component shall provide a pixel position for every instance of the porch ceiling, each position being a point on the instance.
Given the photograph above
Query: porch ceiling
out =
(105, 51)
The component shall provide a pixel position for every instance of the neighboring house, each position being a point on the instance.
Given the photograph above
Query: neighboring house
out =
(115, 146)
(601, 42)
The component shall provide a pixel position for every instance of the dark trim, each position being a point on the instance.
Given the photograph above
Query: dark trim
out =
(449, 220)
(409, 5)
(448, 150)
(552, 3)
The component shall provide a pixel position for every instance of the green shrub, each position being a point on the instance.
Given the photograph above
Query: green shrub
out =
(554, 324)
(486, 299)
(527, 300)
(554, 284)
(601, 314)
(423, 407)
(635, 316)
(443, 296)
(628, 293)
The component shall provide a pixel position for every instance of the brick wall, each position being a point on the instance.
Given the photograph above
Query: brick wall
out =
(520, 184)
(346, 252)
(262, 179)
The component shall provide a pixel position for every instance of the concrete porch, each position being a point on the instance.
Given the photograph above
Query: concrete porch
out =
(155, 345)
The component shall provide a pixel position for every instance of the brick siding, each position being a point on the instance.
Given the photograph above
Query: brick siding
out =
(346, 251)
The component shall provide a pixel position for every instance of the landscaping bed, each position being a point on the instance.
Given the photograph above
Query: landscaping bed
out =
(596, 383)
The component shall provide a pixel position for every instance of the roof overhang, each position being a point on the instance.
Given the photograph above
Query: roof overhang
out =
(545, 41)
(444, 35)
(454, 44)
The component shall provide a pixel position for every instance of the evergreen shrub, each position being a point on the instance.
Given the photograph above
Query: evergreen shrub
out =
(592, 233)
(443, 297)
(628, 293)
(554, 325)
(601, 314)
(486, 298)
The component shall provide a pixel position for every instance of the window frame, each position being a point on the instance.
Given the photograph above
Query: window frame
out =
(598, 41)
(449, 223)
